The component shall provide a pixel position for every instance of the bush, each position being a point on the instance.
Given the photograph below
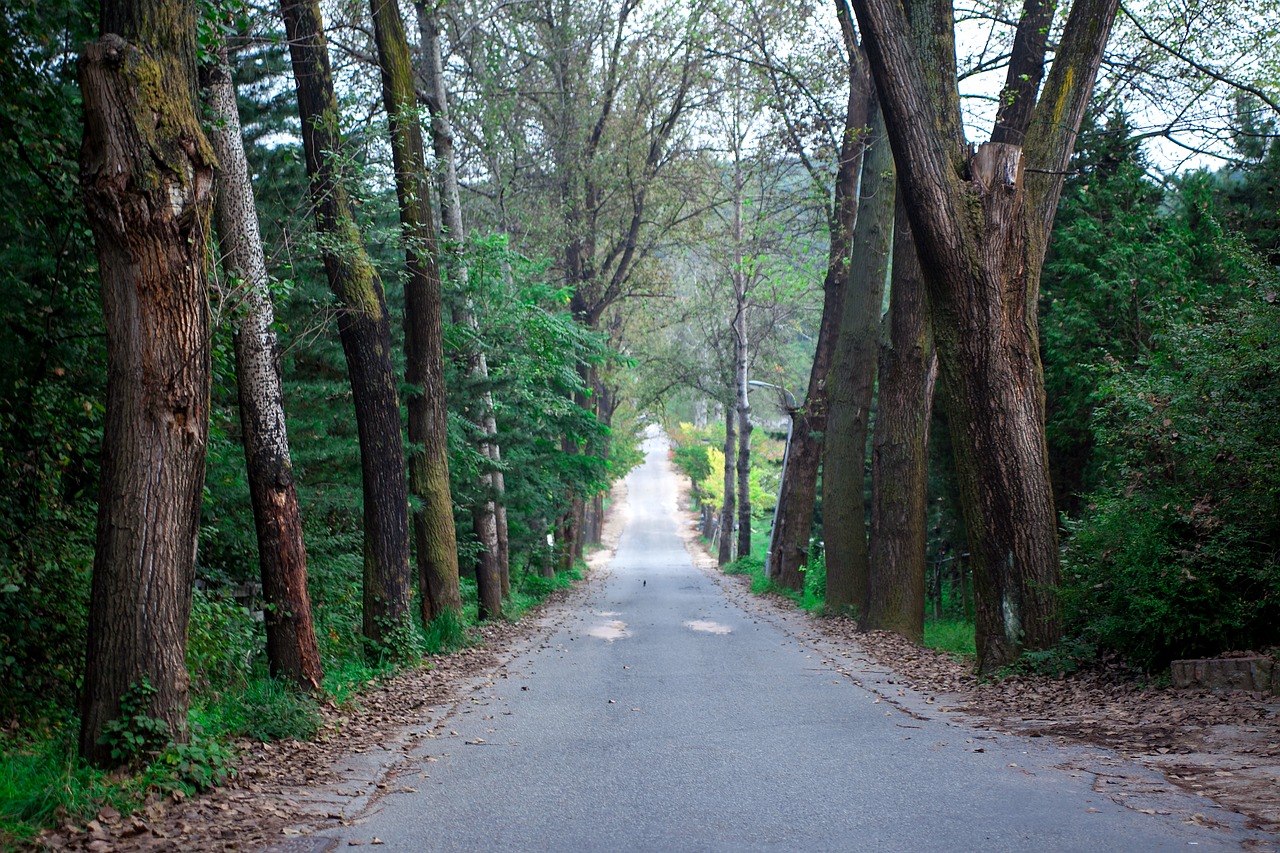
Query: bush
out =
(814, 596)
(223, 642)
(1179, 555)
(694, 462)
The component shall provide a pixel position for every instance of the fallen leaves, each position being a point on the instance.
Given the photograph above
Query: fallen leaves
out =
(262, 805)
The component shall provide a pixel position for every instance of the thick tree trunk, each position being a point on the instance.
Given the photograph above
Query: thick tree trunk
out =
(993, 382)
(725, 554)
(853, 377)
(900, 451)
(433, 530)
(292, 651)
(147, 176)
(798, 491)
(495, 539)
(982, 224)
(364, 327)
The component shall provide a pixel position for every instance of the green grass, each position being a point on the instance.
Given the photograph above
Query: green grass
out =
(446, 633)
(531, 589)
(266, 709)
(753, 567)
(43, 781)
(954, 636)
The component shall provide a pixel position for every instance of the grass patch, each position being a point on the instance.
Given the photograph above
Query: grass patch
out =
(533, 589)
(266, 709)
(813, 597)
(753, 567)
(446, 633)
(346, 678)
(42, 780)
(953, 636)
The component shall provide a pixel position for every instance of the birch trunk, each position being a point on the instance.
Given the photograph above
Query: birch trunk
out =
(292, 651)
(725, 554)
(489, 519)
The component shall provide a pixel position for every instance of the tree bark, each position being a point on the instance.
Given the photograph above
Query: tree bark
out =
(364, 327)
(146, 175)
(433, 530)
(495, 540)
(798, 491)
(740, 377)
(725, 554)
(292, 651)
(853, 377)
(744, 475)
(982, 224)
(900, 450)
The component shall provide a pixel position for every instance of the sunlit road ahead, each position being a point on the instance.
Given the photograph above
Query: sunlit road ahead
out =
(660, 716)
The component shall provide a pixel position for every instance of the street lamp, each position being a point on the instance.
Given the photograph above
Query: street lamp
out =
(790, 404)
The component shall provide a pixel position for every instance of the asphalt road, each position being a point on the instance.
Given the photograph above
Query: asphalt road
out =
(660, 716)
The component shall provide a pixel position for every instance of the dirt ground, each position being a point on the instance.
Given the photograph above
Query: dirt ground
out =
(1224, 747)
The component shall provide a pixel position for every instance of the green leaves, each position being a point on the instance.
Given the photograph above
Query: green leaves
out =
(1179, 554)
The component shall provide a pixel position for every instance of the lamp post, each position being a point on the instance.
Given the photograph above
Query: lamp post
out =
(789, 403)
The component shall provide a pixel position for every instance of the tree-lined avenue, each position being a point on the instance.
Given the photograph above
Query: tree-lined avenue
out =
(655, 713)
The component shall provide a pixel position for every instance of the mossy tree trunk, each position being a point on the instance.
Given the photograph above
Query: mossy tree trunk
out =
(981, 223)
(853, 377)
(797, 494)
(899, 457)
(364, 327)
(434, 533)
(488, 517)
(292, 651)
(147, 178)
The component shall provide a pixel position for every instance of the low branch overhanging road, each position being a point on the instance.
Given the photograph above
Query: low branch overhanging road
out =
(656, 713)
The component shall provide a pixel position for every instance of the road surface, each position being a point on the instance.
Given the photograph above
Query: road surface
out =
(659, 715)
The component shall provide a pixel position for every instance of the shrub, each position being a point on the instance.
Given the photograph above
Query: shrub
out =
(1179, 555)
(814, 596)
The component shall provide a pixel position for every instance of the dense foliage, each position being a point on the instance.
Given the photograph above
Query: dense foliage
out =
(1159, 327)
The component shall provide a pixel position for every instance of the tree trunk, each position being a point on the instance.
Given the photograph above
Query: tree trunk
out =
(798, 491)
(900, 451)
(852, 380)
(488, 579)
(364, 327)
(744, 475)
(981, 225)
(993, 383)
(433, 530)
(292, 651)
(495, 539)
(740, 355)
(725, 553)
(147, 176)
